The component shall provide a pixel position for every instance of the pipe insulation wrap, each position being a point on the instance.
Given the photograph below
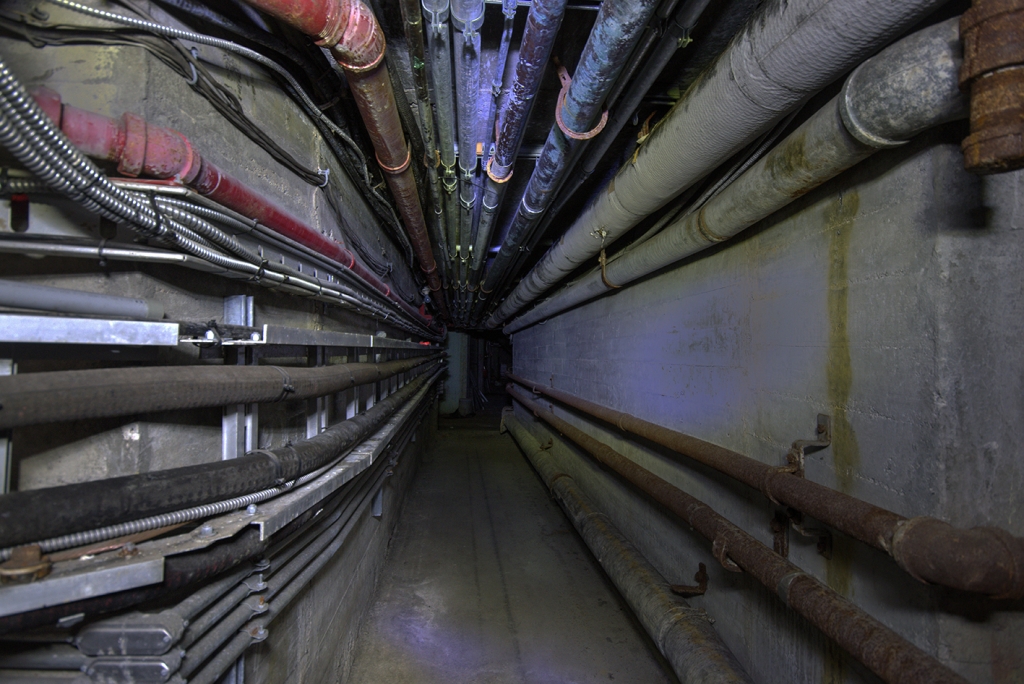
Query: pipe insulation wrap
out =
(787, 52)
(26, 516)
(907, 88)
(683, 634)
(20, 295)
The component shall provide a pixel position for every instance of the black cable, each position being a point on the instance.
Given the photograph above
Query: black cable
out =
(27, 516)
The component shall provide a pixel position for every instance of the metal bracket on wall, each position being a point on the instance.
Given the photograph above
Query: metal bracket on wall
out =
(802, 447)
(701, 578)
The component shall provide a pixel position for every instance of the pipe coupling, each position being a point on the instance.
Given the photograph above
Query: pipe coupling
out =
(355, 37)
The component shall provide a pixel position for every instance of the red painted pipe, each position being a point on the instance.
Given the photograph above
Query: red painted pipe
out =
(143, 149)
(351, 31)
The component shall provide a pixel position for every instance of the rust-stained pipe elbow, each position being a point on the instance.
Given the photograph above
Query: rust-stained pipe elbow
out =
(352, 33)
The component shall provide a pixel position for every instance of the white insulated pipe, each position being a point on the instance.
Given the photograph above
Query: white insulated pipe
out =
(21, 295)
(907, 88)
(787, 52)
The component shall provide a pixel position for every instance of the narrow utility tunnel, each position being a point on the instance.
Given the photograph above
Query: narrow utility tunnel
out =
(511, 341)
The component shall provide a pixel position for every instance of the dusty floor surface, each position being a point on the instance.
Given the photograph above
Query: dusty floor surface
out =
(487, 581)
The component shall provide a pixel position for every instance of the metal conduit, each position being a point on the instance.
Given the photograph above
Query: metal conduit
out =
(787, 52)
(22, 295)
(908, 88)
(99, 503)
(986, 560)
(28, 398)
(683, 634)
(894, 659)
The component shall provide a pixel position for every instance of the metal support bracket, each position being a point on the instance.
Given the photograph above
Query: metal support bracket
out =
(802, 447)
(701, 578)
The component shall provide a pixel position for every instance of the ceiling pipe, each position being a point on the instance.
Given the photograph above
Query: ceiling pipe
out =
(578, 116)
(908, 88)
(412, 20)
(542, 24)
(985, 560)
(894, 659)
(683, 634)
(437, 13)
(787, 52)
(141, 149)
(467, 19)
(676, 35)
(350, 30)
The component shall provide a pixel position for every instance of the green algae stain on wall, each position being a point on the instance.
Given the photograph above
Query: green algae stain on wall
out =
(839, 222)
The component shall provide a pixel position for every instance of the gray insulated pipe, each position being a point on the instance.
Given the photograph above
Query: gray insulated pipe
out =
(20, 295)
(787, 52)
(907, 88)
(683, 634)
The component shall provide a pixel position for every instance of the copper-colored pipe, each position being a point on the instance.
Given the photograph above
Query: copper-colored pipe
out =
(880, 649)
(351, 31)
(986, 560)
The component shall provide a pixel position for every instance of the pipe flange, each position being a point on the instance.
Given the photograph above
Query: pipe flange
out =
(487, 170)
(396, 170)
(853, 126)
(354, 69)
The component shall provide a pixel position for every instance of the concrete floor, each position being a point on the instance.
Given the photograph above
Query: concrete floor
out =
(487, 581)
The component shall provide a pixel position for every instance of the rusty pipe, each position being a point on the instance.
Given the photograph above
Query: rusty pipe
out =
(877, 647)
(354, 36)
(985, 560)
(682, 633)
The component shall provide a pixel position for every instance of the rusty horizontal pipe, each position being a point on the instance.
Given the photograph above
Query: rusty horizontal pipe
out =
(894, 659)
(683, 634)
(984, 560)
(354, 36)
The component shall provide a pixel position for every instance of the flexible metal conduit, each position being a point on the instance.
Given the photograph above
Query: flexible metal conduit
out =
(29, 398)
(683, 634)
(140, 148)
(542, 24)
(616, 30)
(21, 295)
(350, 30)
(908, 88)
(26, 516)
(877, 647)
(986, 560)
(788, 51)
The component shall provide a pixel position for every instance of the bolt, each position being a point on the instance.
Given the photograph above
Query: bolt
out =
(40, 14)
(210, 335)
(250, 509)
(255, 337)
(206, 530)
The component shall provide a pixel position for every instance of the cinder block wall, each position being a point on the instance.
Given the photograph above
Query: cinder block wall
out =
(889, 299)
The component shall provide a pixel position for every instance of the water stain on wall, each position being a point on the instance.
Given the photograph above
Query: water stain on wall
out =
(839, 222)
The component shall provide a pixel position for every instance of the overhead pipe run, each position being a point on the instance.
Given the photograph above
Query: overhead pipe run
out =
(437, 13)
(788, 51)
(906, 89)
(351, 32)
(141, 149)
(683, 634)
(984, 560)
(542, 24)
(412, 19)
(578, 117)
(894, 659)
(27, 516)
(28, 398)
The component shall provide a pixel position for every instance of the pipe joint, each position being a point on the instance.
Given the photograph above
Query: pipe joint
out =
(356, 39)
(396, 170)
(847, 112)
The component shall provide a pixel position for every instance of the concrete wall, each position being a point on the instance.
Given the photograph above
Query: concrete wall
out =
(890, 299)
